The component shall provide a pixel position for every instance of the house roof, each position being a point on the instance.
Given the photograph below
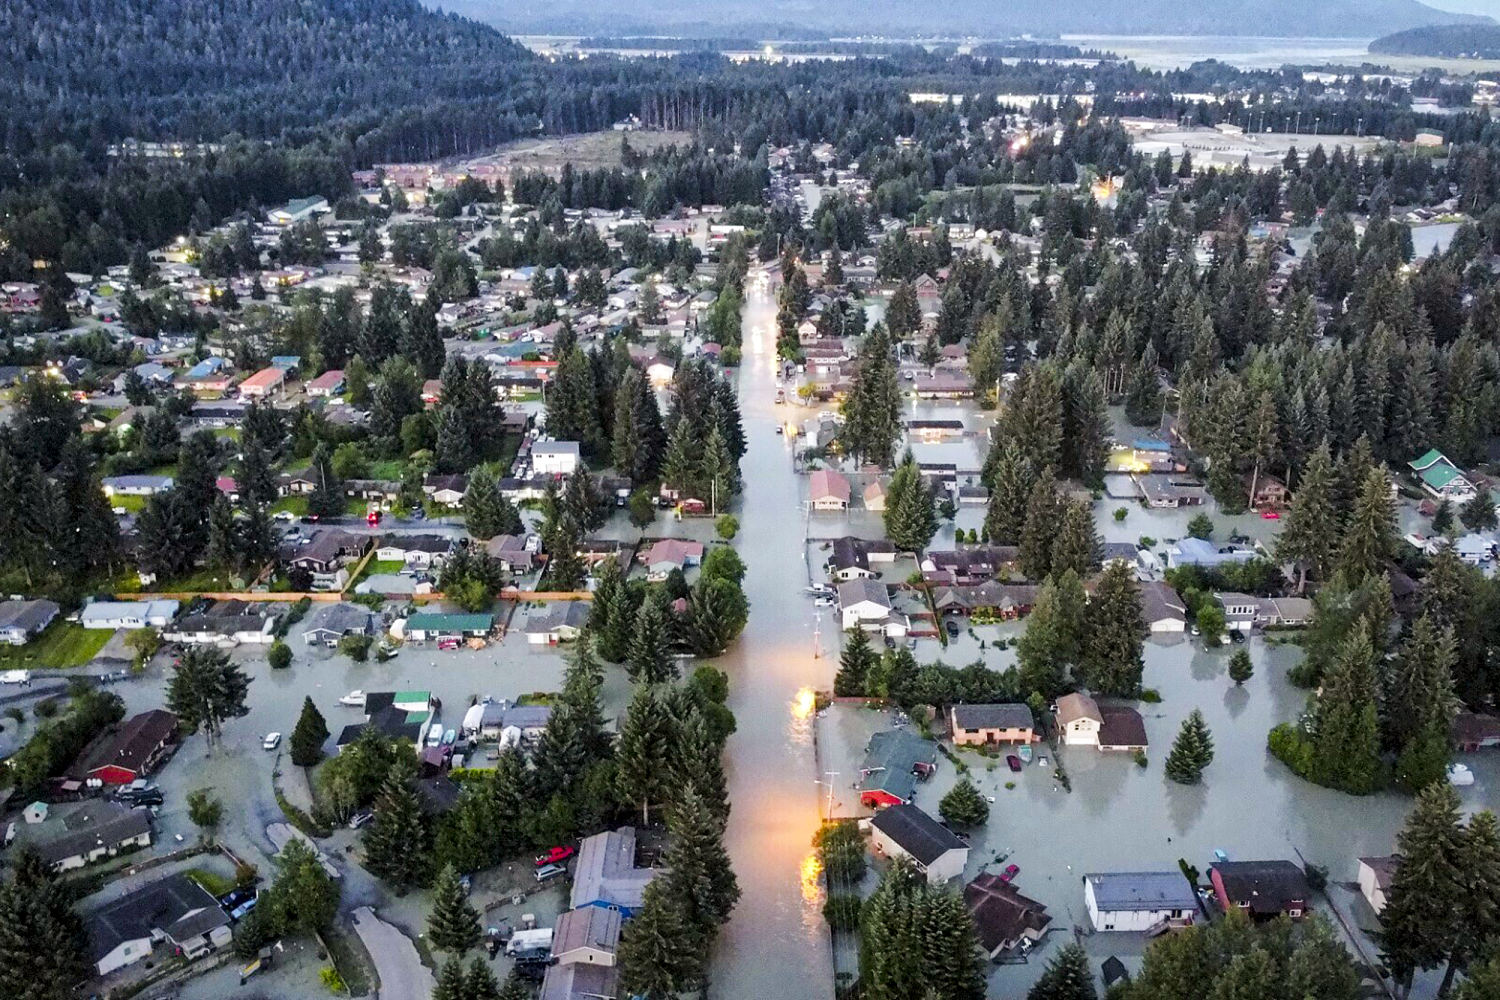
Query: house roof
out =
(440, 621)
(1001, 914)
(1122, 727)
(1072, 707)
(98, 823)
(858, 591)
(1265, 886)
(340, 618)
(890, 762)
(559, 614)
(590, 927)
(848, 553)
(828, 484)
(30, 615)
(580, 981)
(1159, 602)
(1142, 891)
(329, 380)
(1427, 459)
(264, 379)
(606, 871)
(917, 833)
(1384, 868)
(555, 448)
(1005, 715)
(128, 744)
(676, 551)
(176, 905)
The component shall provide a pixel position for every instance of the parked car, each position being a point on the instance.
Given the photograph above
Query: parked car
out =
(547, 873)
(142, 797)
(1011, 871)
(1236, 636)
(271, 742)
(825, 602)
(1013, 762)
(360, 818)
(1270, 515)
(952, 627)
(554, 856)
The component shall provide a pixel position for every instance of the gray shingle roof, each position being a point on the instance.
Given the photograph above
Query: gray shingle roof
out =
(1001, 716)
(917, 833)
(1142, 891)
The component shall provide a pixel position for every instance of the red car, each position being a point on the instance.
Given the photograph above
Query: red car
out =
(554, 856)
(1014, 762)
(1270, 515)
(1011, 871)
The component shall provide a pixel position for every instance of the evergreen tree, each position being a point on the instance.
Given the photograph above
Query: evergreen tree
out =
(964, 806)
(1423, 923)
(1111, 657)
(717, 614)
(638, 440)
(1311, 526)
(205, 690)
(1370, 534)
(1347, 733)
(396, 842)
(453, 925)
(1240, 667)
(680, 466)
(917, 940)
(612, 619)
(872, 412)
(699, 876)
(649, 660)
(480, 983)
(1478, 512)
(488, 512)
(1009, 478)
(1043, 508)
(257, 482)
(658, 955)
(645, 741)
(450, 983)
(1076, 547)
(910, 520)
(855, 661)
(1086, 428)
(574, 739)
(484, 826)
(327, 497)
(1053, 640)
(903, 316)
(43, 946)
(308, 736)
(1068, 977)
(1192, 751)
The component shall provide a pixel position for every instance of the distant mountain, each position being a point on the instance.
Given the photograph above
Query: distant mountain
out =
(1452, 41)
(1288, 18)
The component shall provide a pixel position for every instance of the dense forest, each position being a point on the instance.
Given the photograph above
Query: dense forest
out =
(1449, 41)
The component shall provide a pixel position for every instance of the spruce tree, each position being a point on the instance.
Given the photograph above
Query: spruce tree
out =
(1310, 529)
(308, 736)
(1009, 478)
(1068, 977)
(964, 806)
(658, 954)
(1478, 512)
(1111, 657)
(1240, 667)
(699, 876)
(1040, 528)
(1053, 640)
(680, 466)
(1424, 919)
(1369, 537)
(1347, 732)
(514, 989)
(612, 621)
(1076, 547)
(910, 519)
(487, 512)
(855, 661)
(43, 946)
(450, 983)
(480, 983)
(453, 925)
(649, 660)
(1192, 751)
(396, 844)
(646, 739)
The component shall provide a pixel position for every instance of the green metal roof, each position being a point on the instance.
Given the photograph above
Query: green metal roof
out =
(434, 621)
(1432, 455)
(1438, 476)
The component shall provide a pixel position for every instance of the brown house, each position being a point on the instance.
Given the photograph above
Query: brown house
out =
(1003, 917)
(985, 725)
(1263, 889)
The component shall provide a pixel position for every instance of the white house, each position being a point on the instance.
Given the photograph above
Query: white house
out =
(1079, 719)
(1139, 901)
(1375, 876)
(136, 486)
(298, 209)
(128, 614)
(866, 604)
(21, 621)
(1240, 610)
(1164, 611)
(175, 911)
(555, 458)
(904, 831)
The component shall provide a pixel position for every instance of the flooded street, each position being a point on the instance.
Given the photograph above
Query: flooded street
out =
(776, 945)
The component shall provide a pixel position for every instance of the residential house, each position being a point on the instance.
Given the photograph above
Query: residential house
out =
(852, 558)
(225, 623)
(1167, 492)
(555, 458)
(209, 375)
(589, 936)
(398, 715)
(115, 615)
(894, 761)
(1375, 875)
(668, 554)
(1122, 730)
(1079, 719)
(263, 384)
(298, 209)
(1164, 611)
(1004, 919)
(580, 981)
(136, 486)
(1263, 889)
(173, 910)
(331, 622)
(128, 750)
(1006, 601)
(562, 621)
(1270, 492)
(1440, 477)
(425, 625)
(1474, 731)
(866, 604)
(934, 430)
(1474, 549)
(904, 831)
(491, 719)
(990, 725)
(447, 490)
(22, 621)
(1241, 611)
(1199, 552)
(326, 553)
(515, 553)
(874, 495)
(1287, 612)
(97, 830)
(969, 565)
(1117, 552)
(416, 551)
(330, 383)
(605, 874)
(1139, 901)
(828, 491)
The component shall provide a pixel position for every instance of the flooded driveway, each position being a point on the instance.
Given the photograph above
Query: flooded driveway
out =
(775, 946)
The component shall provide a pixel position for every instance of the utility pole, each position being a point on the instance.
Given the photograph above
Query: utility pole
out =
(818, 634)
(830, 775)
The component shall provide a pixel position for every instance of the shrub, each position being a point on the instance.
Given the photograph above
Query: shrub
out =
(1140, 758)
(1291, 746)
(1201, 526)
(203, 809)
(1146, 542)
(964, 806)
(332, 980)
(1121, 513)
(1151, 696)
(842, 852)
(279, 655)
(842, 911)
(356, 647)
(727, 526)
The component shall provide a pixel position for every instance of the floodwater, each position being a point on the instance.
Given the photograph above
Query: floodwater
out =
(775, 946)
(1433, 239)
(1168, 52)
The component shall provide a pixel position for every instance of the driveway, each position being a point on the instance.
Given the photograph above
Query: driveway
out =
(402, 974)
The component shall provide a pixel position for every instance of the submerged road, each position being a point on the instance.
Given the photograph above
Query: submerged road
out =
(775, 946)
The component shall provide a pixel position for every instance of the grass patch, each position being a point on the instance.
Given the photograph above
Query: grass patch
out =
(203, 580)
(131, 503)
(295, 503)
(216, 884)
(61, 645)
(389, 566)
(386, 468)
(300, 819)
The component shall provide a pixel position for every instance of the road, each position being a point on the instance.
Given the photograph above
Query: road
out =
(402, 974)
(775, 947)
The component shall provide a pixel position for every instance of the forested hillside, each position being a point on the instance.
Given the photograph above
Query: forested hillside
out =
(1450, 41)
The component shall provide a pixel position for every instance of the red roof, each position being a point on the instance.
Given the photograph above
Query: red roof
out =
(327, 381)
(266, 378)
(828, 483)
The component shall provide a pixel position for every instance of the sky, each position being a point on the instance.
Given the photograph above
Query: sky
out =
(1490, 7)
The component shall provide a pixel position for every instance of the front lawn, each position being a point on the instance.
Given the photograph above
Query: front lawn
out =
(131, 503)
(61, 645)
